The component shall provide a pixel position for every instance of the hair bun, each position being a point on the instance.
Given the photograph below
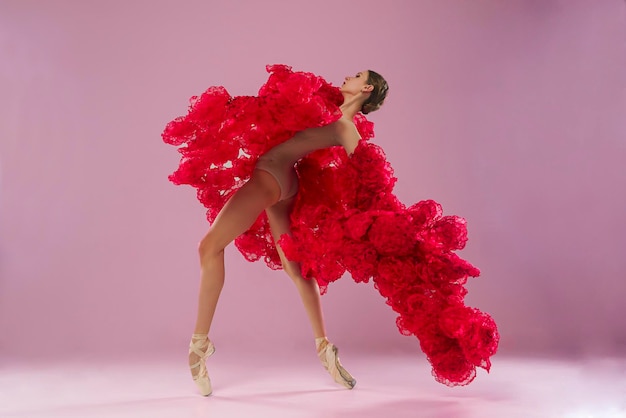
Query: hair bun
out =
(369, 107)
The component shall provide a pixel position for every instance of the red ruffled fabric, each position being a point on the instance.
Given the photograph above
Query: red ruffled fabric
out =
(346, 217)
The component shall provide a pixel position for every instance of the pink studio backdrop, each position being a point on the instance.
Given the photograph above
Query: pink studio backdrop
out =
(510, 113)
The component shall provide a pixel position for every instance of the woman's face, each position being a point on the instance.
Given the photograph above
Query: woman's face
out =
(355, 84)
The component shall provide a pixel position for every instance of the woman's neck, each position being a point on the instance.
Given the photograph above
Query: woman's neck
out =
(352, 105)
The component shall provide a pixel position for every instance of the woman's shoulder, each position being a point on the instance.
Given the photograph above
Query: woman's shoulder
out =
(347, 134)
(345, 122)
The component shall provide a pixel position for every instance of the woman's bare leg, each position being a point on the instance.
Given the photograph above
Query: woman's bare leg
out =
(278, 216)
(327, 352)
(237, 215)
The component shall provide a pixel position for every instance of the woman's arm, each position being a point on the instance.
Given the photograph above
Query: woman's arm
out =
(342, 131)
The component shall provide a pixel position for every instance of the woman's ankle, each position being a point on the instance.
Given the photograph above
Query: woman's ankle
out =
(321, 343)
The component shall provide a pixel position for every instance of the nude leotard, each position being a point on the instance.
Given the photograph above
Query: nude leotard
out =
(279, 161)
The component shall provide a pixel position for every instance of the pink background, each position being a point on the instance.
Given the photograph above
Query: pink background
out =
(510, 113)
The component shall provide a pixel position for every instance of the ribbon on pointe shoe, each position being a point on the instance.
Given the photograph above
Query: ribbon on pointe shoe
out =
(202, 347)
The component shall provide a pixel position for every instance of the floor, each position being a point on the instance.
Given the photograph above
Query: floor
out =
(270, 386)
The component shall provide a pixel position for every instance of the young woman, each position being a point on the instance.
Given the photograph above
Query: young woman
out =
(288, 176)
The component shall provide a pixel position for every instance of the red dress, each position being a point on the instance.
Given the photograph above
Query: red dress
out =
(345, 218)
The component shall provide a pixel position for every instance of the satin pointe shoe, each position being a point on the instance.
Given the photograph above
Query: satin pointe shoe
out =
(328, 354)
(200, 349)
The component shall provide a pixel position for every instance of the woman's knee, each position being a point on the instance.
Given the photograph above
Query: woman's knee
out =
(293, 271)
(209, 247)
(289, 268)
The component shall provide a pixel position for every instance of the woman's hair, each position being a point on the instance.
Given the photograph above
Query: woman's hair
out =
(377, 96)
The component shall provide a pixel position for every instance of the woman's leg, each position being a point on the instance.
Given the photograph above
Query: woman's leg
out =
(237, 215)
(327, 352)
(278, 216)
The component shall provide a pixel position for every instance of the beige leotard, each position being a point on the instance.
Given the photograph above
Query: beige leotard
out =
(279, 161)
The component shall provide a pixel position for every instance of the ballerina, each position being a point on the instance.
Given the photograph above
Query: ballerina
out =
(290, 177)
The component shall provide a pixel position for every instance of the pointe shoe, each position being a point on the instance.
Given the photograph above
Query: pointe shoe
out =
(329, 356)
(201, 347)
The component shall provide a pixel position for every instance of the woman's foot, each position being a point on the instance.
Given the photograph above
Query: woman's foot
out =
(329, 356)
(200, 348)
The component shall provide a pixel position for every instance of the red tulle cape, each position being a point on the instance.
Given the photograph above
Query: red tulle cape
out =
(346, 217)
